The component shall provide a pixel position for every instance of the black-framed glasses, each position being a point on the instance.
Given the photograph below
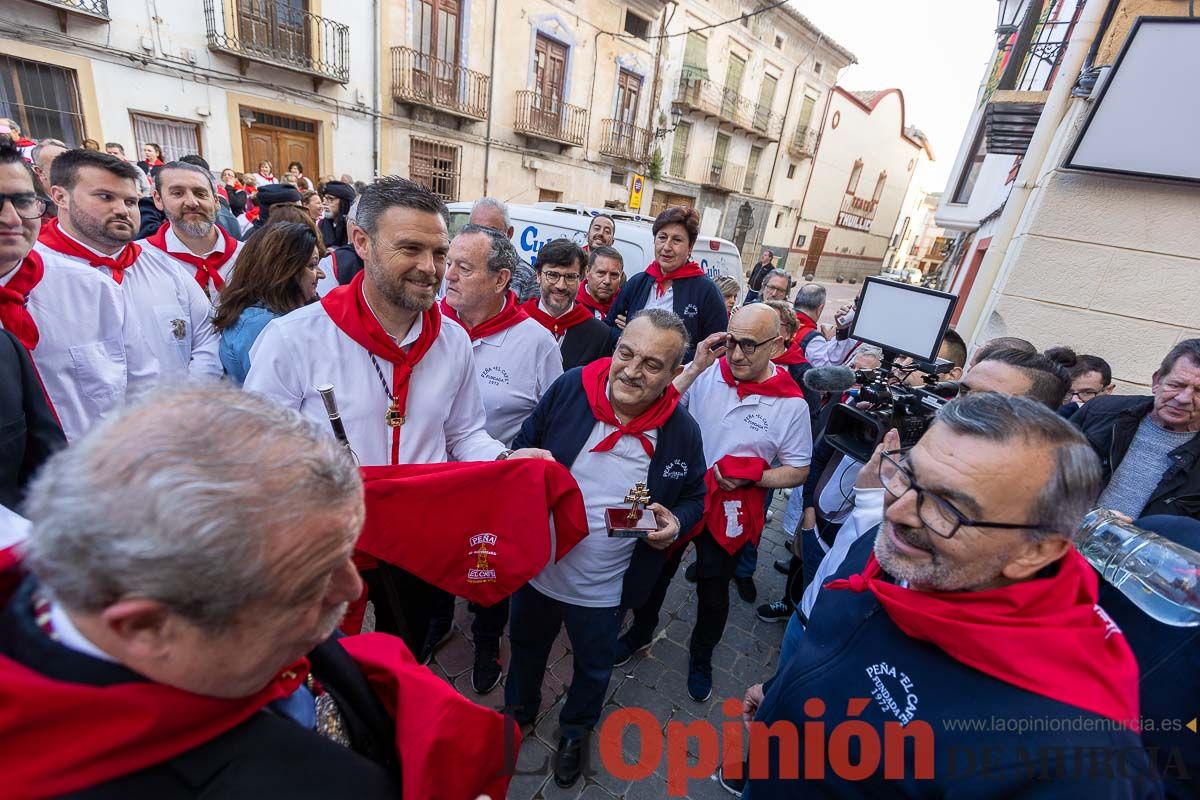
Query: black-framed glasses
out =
(554, 277)
(1084, 394)
(937, 513)
(748, 346)
(27, 205)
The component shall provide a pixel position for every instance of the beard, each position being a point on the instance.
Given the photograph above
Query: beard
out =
(397, 290)
(191, 227)
(103, 232)
(557, 302)
(935, 574)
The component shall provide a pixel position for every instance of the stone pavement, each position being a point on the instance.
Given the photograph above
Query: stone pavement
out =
(654, 680)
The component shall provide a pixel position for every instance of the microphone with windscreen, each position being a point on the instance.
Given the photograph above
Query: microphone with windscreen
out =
(830, 379)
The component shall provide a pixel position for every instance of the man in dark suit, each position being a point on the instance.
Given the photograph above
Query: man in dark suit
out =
(560, 268)
(29, 431)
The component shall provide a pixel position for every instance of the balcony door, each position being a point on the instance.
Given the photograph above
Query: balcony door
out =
(549, 76)
(275, 28)
(629, 92)
(733, 85)
(435, 71)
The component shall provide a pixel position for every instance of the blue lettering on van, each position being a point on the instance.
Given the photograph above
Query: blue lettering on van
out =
(530, 243)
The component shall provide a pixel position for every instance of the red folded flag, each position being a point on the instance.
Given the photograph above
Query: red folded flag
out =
(688, 270)
(584, 298)
(508, 316)
(1045, 635)
(53, 237)
(206, 266)
(450, 748)
(595, 386)
(778, 385)
(557, 325)
(732, 517)
(476, 530)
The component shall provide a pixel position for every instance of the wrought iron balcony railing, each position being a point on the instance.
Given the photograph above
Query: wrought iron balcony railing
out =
(95, 9)
(803, 143)
(725, 176)
(423, 80)
(278, 33)
(624, 140)
(857, 213)
(700, 94)
(544, 116)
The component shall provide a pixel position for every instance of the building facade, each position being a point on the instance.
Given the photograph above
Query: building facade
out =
(1106, 264)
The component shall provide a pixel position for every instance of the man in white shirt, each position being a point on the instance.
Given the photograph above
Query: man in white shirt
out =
(404, 376)
(823, 345)
(90, 350)
(748, 408)
(516, 360)
(190, 238)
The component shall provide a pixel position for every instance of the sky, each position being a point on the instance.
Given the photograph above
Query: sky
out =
(935, 51)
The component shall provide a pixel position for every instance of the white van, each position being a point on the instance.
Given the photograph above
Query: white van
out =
(534, 225)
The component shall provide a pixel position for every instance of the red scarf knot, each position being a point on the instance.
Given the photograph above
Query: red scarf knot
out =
(778, 385)
(509, 315)
(689, 270)
(14, 300)
(595, 386)
(207, 267)
(588, 300)
(557, 325)
(53, 237)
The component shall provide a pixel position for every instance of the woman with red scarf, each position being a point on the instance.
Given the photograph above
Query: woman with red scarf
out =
(674, 281)
(153, 159)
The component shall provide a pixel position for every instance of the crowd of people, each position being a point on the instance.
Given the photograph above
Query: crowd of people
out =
(182, 507)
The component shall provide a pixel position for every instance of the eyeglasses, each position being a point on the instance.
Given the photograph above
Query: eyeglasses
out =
(1085, 394)
(554, 277)
(936, 513)
(27, 206)
(748, 346)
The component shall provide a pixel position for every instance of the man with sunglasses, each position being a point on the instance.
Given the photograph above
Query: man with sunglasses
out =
(582, 338)
(967, 623)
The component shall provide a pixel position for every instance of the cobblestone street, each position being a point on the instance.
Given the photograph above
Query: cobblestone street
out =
(654, 680)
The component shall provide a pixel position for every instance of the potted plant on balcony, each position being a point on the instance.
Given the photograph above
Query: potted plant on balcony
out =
(654, 169)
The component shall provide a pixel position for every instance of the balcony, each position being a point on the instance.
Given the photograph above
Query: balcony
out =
(277, 33)
(624, 140)
(85, 9)
(803, 143)
(722, 176)
(548, 118)
(708, 98)
(857, 213)
(423, 80)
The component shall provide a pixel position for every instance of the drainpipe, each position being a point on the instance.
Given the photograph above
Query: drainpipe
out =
(487, 136)
(993, 271)
(376, 118)
(655, 82)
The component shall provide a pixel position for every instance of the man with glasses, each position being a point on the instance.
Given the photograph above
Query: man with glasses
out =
(581, 337)
(757, 436)
(967, 604)
(1091, 377)
(86, 343)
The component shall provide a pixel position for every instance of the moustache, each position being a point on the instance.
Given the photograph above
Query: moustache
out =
(910, 537)
(632, 382)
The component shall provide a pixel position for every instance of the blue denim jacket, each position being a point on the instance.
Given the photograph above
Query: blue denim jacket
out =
(237, 340)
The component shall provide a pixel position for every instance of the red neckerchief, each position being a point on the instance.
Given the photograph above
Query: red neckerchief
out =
(807, 324)
(793, 355)
(778, 385)
(267, 178)
(23, 142)
(206, 266)
(1044, 635)
(595, 386)
(508, 316)
(751, 510)
(557, 325)
(252, 213)
(688, 270)
(14, 300)
(53, 237)
(586, 299)
(347, 307)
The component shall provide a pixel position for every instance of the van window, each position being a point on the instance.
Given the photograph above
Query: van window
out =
(458, 221)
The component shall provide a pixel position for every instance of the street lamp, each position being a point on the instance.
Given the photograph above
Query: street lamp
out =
(676, 116)
(1008, 13)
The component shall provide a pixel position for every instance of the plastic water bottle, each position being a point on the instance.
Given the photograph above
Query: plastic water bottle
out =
(1159, 576)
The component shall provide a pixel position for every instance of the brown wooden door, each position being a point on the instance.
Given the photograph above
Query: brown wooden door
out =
(274, 27)
(550, 69)
(437, 41)
(733, 85)
(293, 146)
(815, 248)
(281, 145)
(259, 144)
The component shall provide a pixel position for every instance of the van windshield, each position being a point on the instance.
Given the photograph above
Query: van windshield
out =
(458, 221)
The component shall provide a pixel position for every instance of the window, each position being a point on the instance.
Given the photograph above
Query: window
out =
(791, 171)
(752, 170)
(549, 196)
(779, 40)
(800, 240)
(42, 99)
(175, 137)
(778, 218)
(435, 166)
(879, 187)
(806, 112)
(855, 174)
(617, 178)
(636, 26)
(970, 173)
(695, 57)
(817, 67)
(683, 132)
(437, 29)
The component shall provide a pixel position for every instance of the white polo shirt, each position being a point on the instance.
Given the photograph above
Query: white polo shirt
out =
(776, 429)
(176, 245)
(91, 354)
(444, 417)
(514, 368)
(592, 573)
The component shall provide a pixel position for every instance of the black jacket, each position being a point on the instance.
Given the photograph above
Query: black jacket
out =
(1110, 423)
(29, 431)
(333, 231)
(584, 343)
(346, 263)
(268, 755)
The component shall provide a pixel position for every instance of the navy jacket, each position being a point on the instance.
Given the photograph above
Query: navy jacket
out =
(562, 422)
(697, 301)
(29, 431)
(851, 649)
(1111, 422)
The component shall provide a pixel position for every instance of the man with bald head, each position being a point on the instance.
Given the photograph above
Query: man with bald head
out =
(757, 436)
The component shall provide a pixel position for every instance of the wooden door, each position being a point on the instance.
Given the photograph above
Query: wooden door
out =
(733, 85)
(294, 146)
(435, 71)
(281, 146)
(274, 27)
(629, 91)
(259, 144)
(720, 151)
(550, 69)
(766, 99)
(815, 248)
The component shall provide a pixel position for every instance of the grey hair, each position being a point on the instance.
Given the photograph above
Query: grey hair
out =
(1076, 480)
(1188, 347)
(727, 285)
(501, 254)
(810, 297)
(496, 205)
(184, 499)
(352, 214)
(183, 165)
(666, 320)
(392, 191)
(36, 152)
(778, 273)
